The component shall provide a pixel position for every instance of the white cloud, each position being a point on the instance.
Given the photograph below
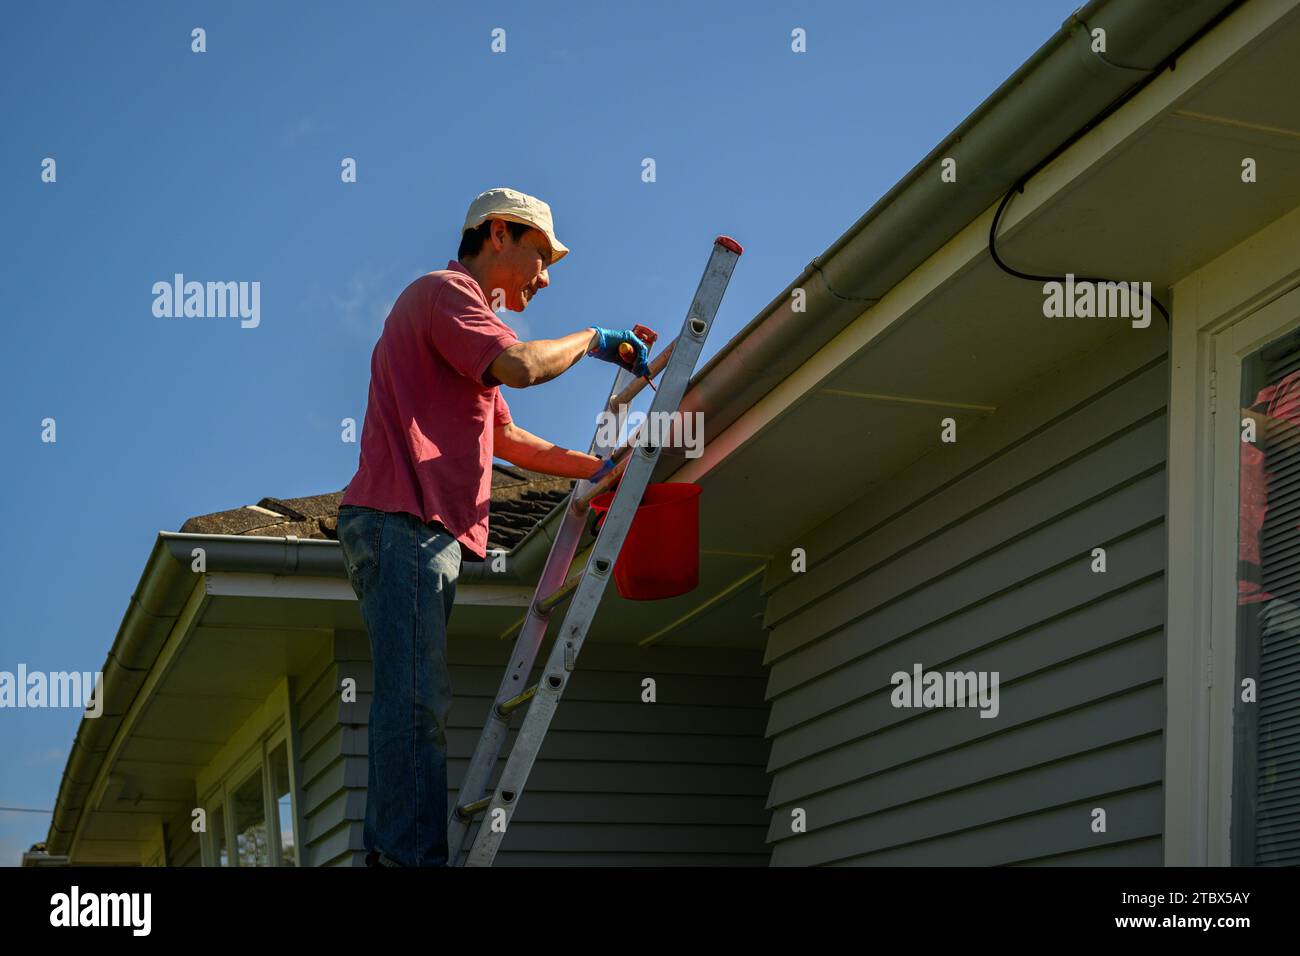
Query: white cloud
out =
(45, 757)
(296, 131)
(368, 296)
(366, 301)
(516, 321)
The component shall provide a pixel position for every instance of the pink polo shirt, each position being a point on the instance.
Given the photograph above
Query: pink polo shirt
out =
(1258, 468)
(426, 445)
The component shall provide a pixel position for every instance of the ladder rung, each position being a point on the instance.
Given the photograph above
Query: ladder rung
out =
(634, 387)
(469, 809)
(623, 398)
(584, 501)
(547, 604)
(506, 706)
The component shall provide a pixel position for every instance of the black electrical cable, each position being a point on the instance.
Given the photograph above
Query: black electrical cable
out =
(1170, 62)
(1019, 187)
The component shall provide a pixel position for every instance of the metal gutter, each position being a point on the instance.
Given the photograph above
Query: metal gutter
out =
(157, 601)
(291, 555)
(165, 585)
(1060, 92)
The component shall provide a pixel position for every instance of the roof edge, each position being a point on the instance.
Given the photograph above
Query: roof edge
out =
(1062, 90)
(159, 598)
(1057, 94)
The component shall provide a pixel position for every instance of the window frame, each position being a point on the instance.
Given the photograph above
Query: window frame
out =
(1233, 346)
(247, 753)
(1202, 521)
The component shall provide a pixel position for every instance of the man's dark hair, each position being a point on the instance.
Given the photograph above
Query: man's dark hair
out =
(471, 240)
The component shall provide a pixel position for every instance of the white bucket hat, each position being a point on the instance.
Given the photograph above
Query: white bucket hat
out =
(512, 205)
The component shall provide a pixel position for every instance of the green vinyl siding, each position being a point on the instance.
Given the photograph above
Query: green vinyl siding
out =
(618, 782)
(979, 558)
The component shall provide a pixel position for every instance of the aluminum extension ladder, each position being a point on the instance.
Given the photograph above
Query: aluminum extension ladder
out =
(677, 362)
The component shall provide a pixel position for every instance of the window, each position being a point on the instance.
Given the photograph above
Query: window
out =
(252, 847)
(282, 793)
(251, 810)
(218, 829)
(1231, 765)
(1266, 717)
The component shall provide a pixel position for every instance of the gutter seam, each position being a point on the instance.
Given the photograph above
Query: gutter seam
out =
(1105, 59)
(815, 265)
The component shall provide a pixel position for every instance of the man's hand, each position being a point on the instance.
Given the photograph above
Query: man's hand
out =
(606, 345)
(605, 468)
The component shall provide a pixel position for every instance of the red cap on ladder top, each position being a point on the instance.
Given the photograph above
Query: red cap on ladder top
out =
(730, 243)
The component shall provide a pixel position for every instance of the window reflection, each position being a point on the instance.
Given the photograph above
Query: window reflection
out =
(1266, 827)
(283, 803)
(252, 847)
(219, 836)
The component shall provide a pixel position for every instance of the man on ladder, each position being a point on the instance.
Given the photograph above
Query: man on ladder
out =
(631, 470)
(434, 421)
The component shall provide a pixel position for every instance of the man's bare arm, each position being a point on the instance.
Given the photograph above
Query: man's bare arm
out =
(523, 448)
(531, 363)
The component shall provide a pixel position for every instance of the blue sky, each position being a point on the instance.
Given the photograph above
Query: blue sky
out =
(224, 166)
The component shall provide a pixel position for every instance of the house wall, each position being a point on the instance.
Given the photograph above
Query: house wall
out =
(331, 801)
(979, 558)
(618, 782)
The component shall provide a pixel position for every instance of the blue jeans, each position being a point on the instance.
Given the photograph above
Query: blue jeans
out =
(404, 572)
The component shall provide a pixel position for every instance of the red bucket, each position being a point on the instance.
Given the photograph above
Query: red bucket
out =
(661, 553)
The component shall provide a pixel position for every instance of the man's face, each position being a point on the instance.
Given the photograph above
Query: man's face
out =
(520, 266)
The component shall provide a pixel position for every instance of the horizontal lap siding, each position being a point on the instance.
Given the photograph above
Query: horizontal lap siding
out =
(979, 559)
(618, 782)
(331, 812)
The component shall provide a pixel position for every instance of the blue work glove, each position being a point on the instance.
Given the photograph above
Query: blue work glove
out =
(606, 349)
(605, 468)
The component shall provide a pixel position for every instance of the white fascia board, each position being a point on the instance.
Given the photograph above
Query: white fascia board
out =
(313, 588)
(1157, 99)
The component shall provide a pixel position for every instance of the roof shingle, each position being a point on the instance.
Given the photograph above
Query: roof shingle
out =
(520, 499)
